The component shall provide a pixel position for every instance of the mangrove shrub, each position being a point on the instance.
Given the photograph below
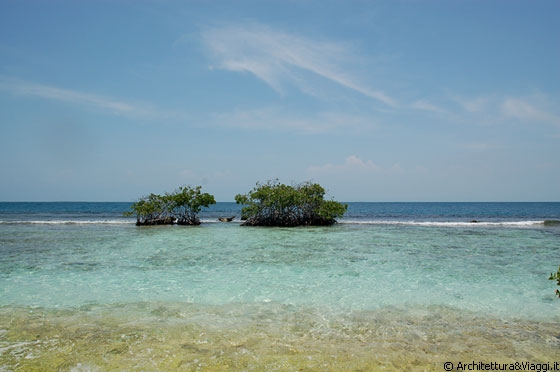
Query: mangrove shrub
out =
(276, 204)
(180, 207)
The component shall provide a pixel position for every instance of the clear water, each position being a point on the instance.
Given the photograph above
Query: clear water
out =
(79, 277)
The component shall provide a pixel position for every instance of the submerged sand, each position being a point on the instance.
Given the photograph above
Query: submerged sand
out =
(264, 337)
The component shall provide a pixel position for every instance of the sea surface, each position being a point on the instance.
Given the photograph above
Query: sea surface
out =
(391, 286)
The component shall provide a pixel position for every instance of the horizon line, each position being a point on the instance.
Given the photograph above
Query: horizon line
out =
(356, 201)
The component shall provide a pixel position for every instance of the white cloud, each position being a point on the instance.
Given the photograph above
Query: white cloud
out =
(397, 168)
(351, 164)
(277, 58)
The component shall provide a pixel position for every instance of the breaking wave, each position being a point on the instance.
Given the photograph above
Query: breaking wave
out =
(472, 224)
(519, 224)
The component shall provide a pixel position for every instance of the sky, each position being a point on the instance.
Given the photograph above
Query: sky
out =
(387, 100)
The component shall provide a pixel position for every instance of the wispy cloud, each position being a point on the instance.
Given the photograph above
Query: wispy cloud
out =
(427, 106)
(495, 109)
(474, 104)
(118, 107)
(523, 110)
(278, 119)
(279, 58)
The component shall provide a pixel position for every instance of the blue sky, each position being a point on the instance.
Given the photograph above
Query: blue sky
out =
(375, 100)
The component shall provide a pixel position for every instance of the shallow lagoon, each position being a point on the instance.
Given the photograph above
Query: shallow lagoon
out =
(362, 295)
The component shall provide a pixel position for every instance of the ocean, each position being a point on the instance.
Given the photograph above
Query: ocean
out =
(391, 286)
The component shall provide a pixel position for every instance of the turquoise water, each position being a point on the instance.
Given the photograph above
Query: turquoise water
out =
(408, 271)
(501, 271)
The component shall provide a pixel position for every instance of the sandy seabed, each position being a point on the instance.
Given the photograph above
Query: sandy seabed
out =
(264, 337)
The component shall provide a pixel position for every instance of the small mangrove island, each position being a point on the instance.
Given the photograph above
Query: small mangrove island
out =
(180, 207)
(276, 204)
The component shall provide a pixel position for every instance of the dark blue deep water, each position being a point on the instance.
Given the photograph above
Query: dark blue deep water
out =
(363, 212)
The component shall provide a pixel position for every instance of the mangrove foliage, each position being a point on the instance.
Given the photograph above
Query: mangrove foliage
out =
(180, 207)
(276, 204)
